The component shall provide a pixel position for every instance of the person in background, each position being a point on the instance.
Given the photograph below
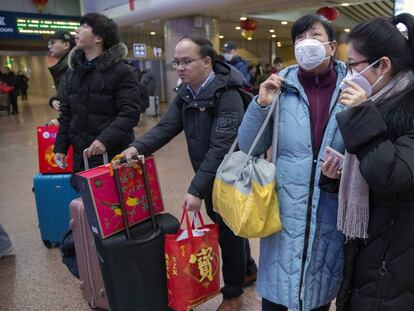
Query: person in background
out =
(254, 86)
(144, 100)
(376, 194)
(210, 125)
(277, 65)
(149, 81)
(22, 84)
(101, 104)
(266, 74)
(6, 245)
(60, 44)
(300, 267)
(9, 78)
(229, 51)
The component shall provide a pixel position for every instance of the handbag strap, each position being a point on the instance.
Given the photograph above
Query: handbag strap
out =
(274, 106)
(275, 133)
(187, 223)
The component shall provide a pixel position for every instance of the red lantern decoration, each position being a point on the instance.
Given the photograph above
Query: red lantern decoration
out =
(248, 24)
(40, 4)
(329, 13)
(132, 5)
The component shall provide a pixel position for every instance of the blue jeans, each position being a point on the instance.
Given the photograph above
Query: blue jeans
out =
(5, 242)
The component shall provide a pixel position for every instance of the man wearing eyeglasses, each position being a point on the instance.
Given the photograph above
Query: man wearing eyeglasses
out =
(209, 108)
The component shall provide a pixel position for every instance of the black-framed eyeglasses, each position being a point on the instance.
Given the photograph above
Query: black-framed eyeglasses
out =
(185, 62)
(350, 65)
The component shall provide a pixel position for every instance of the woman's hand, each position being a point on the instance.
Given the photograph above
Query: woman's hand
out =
(267, 90)
(353, 95)
(330, 168)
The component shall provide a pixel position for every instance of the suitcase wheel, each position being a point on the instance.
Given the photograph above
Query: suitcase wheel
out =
(47, 243)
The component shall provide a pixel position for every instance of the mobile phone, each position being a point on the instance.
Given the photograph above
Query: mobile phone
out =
(61, 164)
(330, 152)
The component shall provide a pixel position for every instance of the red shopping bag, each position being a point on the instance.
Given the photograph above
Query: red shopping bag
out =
(4, 88)
(193, 264)
(46, 137)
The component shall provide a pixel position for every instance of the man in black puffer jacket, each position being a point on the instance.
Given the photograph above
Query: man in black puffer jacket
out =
(209, 108)
(101, 104)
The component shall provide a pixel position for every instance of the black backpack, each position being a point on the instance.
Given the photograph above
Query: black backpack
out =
(67, 251)
(246, 96)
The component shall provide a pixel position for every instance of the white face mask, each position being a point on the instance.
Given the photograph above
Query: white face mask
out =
(228, 57)
(310, 53)
(359, 79)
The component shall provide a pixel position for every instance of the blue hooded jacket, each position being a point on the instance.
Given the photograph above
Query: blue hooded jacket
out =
(300, 267)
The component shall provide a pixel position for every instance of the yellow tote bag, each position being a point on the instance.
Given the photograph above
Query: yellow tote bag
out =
(244, 192)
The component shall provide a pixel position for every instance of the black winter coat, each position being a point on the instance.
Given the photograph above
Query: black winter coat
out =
(379, 272)
(101, 103)
(210, 122)
(59, 78)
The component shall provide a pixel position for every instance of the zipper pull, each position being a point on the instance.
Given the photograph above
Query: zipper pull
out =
(383, 270)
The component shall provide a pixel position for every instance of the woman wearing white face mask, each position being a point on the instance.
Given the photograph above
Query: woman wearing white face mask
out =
(376, 195)
(301, 266)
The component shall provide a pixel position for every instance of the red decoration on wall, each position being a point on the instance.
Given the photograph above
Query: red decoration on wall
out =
(132, 5)
(329, 13)
(40, 4)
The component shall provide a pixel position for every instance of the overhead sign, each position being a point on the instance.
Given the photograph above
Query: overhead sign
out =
(44, 26)
(140, 50)
(16, 25)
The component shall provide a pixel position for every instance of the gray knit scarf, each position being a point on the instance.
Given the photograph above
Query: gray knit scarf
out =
(353, 205)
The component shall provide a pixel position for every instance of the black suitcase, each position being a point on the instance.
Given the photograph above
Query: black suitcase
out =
(133, 262)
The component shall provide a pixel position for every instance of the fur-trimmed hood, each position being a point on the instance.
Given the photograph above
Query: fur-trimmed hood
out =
(107, 59)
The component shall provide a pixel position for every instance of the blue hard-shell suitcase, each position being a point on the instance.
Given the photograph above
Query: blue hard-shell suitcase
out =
(53, 194)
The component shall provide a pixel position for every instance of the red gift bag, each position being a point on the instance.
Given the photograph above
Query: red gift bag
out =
(4, 88)
(46, 137)
(193, 265)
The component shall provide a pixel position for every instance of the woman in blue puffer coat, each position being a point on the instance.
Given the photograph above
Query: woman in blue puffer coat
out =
(300, 267)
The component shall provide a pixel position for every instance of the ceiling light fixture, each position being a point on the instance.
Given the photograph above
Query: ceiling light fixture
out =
(237, 27)
(250, 38)
(271, 30)
(279, 44)
(221, 37)
(243, 18)
(273, 36)
(345, 4)
(284, 22)
(347, 30)
(153, 33)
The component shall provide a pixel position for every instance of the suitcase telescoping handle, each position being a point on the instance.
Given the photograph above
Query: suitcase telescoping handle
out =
(86, 161)
(156, 229)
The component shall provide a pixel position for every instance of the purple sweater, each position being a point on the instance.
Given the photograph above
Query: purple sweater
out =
(319, 89)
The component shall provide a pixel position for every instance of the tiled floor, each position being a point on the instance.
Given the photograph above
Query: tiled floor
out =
(35, 279)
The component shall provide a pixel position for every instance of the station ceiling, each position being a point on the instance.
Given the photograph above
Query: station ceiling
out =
(268, 13)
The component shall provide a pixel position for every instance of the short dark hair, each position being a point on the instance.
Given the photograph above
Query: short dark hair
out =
(306, 22)
(277, 60)
(103, 27)
(379, 37)
(205, 46)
